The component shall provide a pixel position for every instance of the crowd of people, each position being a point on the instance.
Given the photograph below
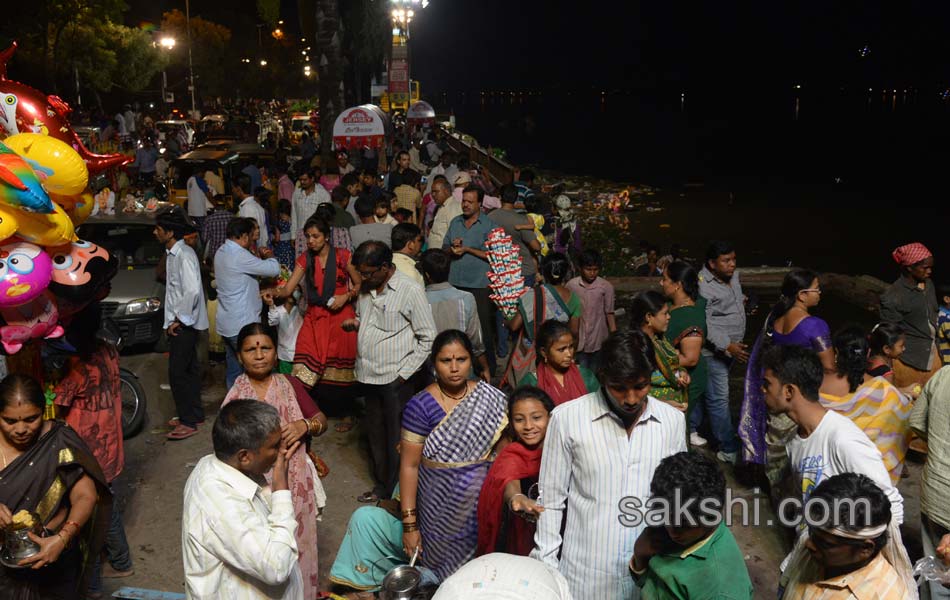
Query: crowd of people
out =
(551, 438)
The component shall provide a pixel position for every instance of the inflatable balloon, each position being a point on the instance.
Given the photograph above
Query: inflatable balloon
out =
(33, 320)
(19, 185)
(27, 110)
(54, 229)
(80, 269)
(25, 271)
(7, 227)
(78, 207)
(59, 168)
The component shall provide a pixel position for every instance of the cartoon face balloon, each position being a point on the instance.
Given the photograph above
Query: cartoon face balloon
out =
(36, 319)
(27, 110)
(80, 269)
(25, 271)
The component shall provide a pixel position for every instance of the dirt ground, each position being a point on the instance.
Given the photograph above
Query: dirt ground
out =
(152, 483)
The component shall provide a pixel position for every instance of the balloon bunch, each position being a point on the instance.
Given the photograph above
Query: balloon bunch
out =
(45, 271)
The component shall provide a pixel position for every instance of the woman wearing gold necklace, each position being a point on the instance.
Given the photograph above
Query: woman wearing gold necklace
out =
(50, 483)
(450, 433)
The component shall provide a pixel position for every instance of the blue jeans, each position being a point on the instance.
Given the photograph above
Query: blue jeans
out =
(715, 403)
(232, 366)
(116, 549)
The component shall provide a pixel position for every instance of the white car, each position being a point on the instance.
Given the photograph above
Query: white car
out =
(164, 127)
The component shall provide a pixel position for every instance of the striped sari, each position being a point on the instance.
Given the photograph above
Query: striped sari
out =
(882, 412)
(456, 455)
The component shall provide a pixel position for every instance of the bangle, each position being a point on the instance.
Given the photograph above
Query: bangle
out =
(409, 513)
(61, 539)
(312, 424)
(410, 527)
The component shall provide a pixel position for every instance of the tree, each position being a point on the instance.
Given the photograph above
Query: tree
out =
(368, 36)
(42, 25)
(329, 53)
(211, 56)
(108, 55)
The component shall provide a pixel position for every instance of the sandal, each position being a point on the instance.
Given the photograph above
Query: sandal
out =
(175, 421)
(181, 432)
(367, 497)
(344, 426)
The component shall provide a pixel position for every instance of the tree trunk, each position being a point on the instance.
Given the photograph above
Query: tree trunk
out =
(329, 55)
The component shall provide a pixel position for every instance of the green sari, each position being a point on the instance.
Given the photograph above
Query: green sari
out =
(663, 380)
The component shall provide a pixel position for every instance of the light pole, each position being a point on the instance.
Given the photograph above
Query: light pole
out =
(191, 70)
(166, 43)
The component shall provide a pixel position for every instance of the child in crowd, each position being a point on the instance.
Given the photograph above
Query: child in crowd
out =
(284, 314)
(284, 238)
(532, 205)
(597, 300)
(885, 344)
(383, 208)
(943, 323)
(403, 215)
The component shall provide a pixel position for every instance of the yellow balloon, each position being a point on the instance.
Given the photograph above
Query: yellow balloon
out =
(8, 224)
(78, 206)
(60, 168)
(54, 229)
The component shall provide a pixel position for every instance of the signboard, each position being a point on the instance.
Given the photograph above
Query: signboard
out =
(399, 76)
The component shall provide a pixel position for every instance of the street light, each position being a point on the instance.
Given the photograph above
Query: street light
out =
(166, 43)
(263, 63)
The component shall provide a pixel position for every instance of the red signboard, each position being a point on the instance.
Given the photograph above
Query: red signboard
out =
(399, 76)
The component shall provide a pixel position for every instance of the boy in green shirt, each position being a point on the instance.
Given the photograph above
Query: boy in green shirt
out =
(695, 558)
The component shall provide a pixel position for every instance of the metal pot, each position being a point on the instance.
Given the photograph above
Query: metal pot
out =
(17, 545)
(401, 583)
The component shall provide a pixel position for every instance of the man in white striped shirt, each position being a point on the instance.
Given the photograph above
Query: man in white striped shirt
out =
(599, 457)
(237, 535)
(395, 337)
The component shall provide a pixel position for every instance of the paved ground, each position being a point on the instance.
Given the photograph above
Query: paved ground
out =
(155, 473)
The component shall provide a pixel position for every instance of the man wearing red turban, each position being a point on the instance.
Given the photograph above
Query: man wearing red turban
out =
(911, 303)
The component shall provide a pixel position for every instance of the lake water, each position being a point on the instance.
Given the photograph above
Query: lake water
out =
(832, 179)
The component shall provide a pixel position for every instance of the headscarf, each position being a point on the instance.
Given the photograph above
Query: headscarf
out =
(911, 254)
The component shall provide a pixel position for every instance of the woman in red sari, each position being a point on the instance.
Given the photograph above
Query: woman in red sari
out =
(325, 352)
(506, 510)
(557, 373)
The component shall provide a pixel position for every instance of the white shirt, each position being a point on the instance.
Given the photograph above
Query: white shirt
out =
(197, 199)
(288, 326)
(588, 467)
(450, 174)
(839, 446)
(184, 296)
(303, 205)
(499, 576)
(251, 209)
(440, 224)
(237, 539)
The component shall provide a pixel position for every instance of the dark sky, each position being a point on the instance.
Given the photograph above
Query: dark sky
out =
(474, 44)
(525, 44)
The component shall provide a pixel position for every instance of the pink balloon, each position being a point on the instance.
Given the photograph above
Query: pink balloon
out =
(34, 320)
(25, 271)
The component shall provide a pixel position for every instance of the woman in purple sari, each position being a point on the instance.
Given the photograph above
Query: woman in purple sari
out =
(764, 436)
(450, 431)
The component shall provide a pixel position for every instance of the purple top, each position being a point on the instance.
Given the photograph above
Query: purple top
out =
(810, 332)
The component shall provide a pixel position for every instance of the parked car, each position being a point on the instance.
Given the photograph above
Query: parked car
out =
(136, 301)
(164, 127)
